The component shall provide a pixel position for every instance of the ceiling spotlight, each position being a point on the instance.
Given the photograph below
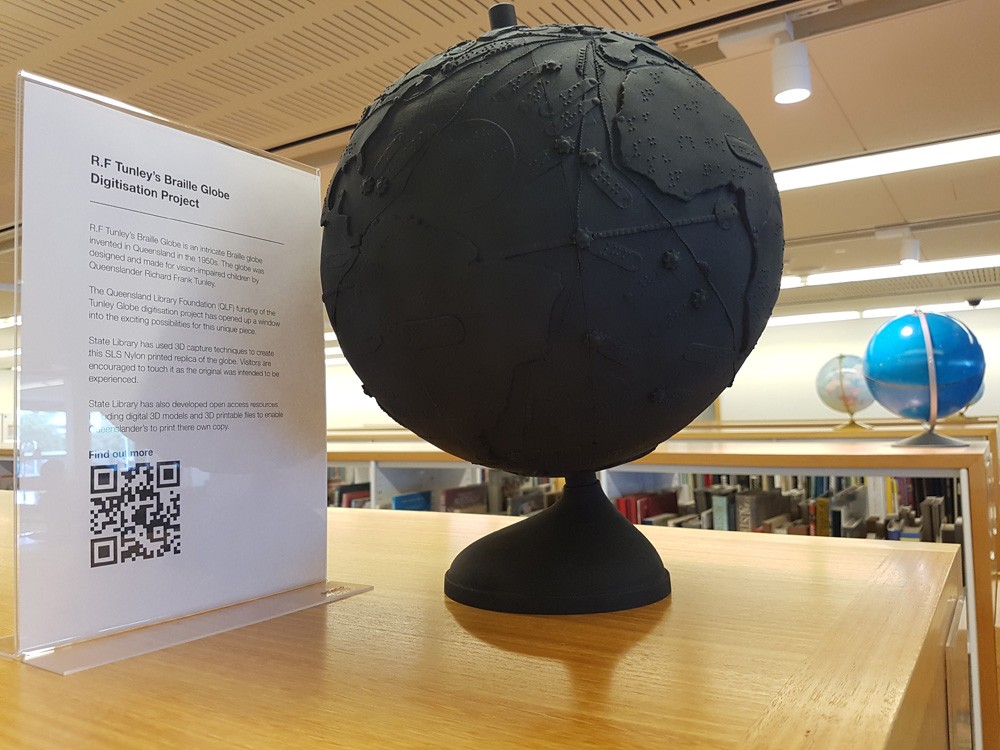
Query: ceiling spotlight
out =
(790, 75)
(910, 252)
(789, 59)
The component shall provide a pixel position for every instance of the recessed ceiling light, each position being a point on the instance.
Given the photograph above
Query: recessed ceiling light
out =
(889, 162)
(825, 317)
(946, 307)
(792, 282)
(875, 273)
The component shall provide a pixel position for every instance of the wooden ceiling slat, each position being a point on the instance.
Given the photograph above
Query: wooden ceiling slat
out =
(50, 12)
(17, 39)
(409, 27)
(270, 72)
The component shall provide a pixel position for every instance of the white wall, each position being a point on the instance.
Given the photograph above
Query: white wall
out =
(347, 407)
(776, 382)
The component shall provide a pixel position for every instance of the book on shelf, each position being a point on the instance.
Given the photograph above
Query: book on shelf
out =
(352, 492)
(724, 508)
(412, 501)
(703, 495)
(639, 506)
(820, 508)
(951, 533)
(891, 500)
(795, 503)
(335, 478)
(684, 520)
(706, 518)
(501, 487)
(818, 486)
(754, 505)
(331, 492)
(874, 527)
(685, 504)
(776, 524)
(527, 502)
(471, 498)
(703, 498)
(905, 496)
(853, 528)
(626, 506)
(848, 505)
(931, 518)
(893, 528)
(357, 499)
(653, 504)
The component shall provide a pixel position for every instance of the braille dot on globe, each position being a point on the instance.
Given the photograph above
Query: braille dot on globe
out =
(897, 371)
(548, 249)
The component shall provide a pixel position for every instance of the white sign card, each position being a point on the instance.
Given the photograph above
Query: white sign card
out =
(171, 394)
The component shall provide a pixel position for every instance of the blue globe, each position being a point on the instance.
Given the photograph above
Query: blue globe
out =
(896, 366)
(979, 394)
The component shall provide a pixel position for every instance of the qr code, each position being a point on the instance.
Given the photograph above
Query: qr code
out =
(135, 512)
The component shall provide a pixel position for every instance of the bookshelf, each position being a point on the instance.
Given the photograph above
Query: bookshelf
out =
(391, 478)
(974, 467)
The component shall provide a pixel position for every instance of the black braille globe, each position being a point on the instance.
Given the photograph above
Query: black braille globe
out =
(548, 249)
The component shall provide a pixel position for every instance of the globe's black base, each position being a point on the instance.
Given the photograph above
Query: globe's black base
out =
(579, 556)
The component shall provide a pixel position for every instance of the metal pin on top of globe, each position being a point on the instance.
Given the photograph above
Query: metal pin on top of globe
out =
(502, 15)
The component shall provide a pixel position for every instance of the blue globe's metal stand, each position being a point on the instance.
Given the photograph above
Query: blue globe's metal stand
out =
(930, 439)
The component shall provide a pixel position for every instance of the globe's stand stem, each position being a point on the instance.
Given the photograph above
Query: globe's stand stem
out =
(853, 424)
(579, 556)
(930, 439)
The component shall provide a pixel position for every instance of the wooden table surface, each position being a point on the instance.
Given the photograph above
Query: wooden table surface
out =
(766, 642)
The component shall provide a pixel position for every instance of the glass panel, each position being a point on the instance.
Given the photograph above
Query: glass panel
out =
(170, 397)
(9, 366)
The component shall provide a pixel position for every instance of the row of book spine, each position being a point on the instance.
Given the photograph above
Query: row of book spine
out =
(901, 509)
(849, 506)
(501, 493)
(887, 495)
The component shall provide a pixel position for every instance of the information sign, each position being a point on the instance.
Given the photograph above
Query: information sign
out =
(170, 419)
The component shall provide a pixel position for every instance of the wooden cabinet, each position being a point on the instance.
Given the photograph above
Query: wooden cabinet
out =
(973, 466)
(765, 642)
